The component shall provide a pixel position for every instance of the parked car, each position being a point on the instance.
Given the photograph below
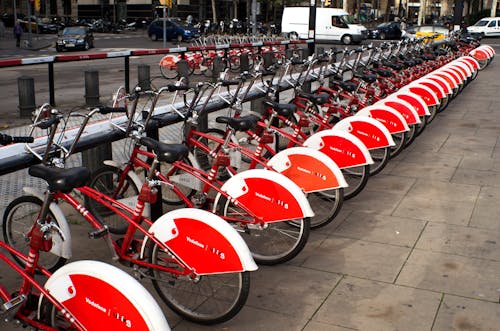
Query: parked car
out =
(75, 37)
(39, 25)
(174, 30)
(387, 30)
(486, 27)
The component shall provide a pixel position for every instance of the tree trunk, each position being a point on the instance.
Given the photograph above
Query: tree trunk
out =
(214, 12)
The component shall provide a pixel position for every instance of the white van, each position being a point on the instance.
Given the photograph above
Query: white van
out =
(332, 24)
(487, 27)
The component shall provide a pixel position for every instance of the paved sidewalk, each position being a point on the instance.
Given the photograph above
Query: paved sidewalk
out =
(418, 249)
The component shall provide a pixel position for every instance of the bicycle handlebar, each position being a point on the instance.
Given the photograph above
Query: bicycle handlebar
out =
(6, 139)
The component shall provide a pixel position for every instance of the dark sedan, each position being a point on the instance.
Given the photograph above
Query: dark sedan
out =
(75, 37)
(389, 30)
(174, 30)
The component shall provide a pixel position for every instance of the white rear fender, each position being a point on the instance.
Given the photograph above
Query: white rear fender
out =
(371, 132)
(60, 246)
(460, 75)
(415, 100)
(269, 195)
(442, 82)
(446, 76)
(344, 148)
(393, 121)
(203, 241)
(453, 74)
(467, 63)
(103, 297)
(435, 87)
(310, 169)
(492, 50)
(404, 108)
(473, 62)
(464, 67)
(425, 92)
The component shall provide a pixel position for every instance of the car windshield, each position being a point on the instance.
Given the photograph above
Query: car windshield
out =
(481, 23)
(73, 31)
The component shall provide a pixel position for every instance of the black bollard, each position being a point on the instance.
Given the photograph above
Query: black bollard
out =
(288, 53)
(144, 77)
(183, 69)
(26, 90)
(93, 158)
(92, 88)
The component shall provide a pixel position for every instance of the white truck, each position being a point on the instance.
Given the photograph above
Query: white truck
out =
(332, 24)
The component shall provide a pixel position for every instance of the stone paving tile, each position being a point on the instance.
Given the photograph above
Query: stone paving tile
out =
(458, 313)
(291, 290)
(358, 258)
(388, 183)
(460, 240)
(476, 177)
(475, 163)
(433, 210)
(317, 326)
(428, 172)
(433, 159)
(369, 305)
(452, 274)
(250, 319)
(381, 228)
(487, 209)
(443, 191)
(380, 203)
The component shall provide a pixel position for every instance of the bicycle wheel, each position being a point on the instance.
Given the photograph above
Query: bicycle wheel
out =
(326, 205)
(411, 135)
(183, 181)
(205, 160)
(356, 178)
(207, 299)
(380, 157)
(169, 72)
(18, 219)
(107, 181)
(422, 125)
(272, 243)
(400, 140)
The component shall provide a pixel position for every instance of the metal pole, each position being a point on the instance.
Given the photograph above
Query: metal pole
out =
(164, 26)
(15, 12)
(312, 26)
(457, 14)
(29, 23)
(127, 74)
(52, 98)
(254, 17)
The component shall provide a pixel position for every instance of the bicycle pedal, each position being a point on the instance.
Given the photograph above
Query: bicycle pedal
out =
(12, 304)
(98, 233)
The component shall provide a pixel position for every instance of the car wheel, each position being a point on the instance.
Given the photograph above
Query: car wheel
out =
(59, 48)
(346, 39)
(154, 37)
(294, 35)
(382, 36)
(87, 45)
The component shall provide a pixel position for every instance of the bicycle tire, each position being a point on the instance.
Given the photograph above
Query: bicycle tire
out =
(168, 196)
(380, 157)
(169, 72)
(105, 180)
(18, 220)
(356, 178)
(400, 140)
(197, 299)
(326, 206)
(205, 160)
(421, 126)
(274, 243)
(411, 135)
